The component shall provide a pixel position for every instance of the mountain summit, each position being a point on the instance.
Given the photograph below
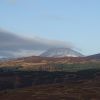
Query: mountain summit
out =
(61, 52)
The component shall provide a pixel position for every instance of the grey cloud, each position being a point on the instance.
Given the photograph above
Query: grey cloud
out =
(12, 45)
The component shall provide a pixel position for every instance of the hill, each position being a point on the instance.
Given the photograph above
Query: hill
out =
(95, 56)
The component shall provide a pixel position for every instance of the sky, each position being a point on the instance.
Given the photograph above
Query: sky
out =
(76, 22)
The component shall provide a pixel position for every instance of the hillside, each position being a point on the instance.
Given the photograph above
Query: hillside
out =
(49, 63)
(95, 56)
(36, 62)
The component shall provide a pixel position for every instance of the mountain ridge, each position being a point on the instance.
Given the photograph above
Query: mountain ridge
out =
(95, 56)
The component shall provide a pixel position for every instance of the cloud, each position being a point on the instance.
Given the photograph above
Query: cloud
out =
(12, 45)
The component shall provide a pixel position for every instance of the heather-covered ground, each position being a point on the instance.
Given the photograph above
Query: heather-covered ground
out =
(83, 90)
(78, 81)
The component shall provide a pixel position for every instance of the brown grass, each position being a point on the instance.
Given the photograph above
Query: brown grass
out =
(80, 91)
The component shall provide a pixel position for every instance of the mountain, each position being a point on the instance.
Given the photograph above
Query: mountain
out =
(4, 58)
(95, 56)
(61, 52)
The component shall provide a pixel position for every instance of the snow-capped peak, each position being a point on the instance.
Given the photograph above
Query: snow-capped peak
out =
(61, 52)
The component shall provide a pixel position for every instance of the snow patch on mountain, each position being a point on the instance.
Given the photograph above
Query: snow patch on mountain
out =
(61, 52)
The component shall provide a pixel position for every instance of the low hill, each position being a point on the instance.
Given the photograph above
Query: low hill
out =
(95, 56)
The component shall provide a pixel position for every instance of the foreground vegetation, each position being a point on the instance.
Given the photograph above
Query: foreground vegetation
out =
(84, 90)
(55, 81)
